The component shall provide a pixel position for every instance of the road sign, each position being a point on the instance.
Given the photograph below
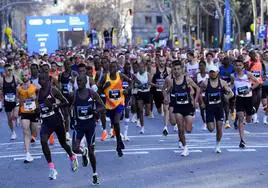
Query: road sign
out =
(42, 31)
(261, 31)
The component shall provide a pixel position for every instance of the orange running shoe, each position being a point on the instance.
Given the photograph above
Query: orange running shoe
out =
(51, 140)
(104, 135)
(33, 139)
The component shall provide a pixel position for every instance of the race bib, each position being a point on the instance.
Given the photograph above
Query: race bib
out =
(125, 85)
(242, 90)
(182, 98)
(29, 105)
(65, 89)
(10, 97)
(257, 74)
(160, 83)
(214, 98)
(114, 94)
(84, 112)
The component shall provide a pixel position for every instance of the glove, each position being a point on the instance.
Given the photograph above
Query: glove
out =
(73, 123)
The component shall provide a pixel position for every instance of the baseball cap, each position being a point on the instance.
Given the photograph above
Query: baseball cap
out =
(213, 68)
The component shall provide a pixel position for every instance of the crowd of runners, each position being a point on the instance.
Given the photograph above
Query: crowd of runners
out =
(80, 88)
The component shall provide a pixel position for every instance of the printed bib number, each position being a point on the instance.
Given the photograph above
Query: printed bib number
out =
(65, 89)
(257, 74)
(160, 83)
(114, 94)
(125, 85)
(182, 98)
(29, 105)
(214, 98)
(242, 90)
(10, 97)
(45, 111)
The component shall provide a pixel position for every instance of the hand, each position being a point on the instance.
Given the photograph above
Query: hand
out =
(203, 105)
(73, 123)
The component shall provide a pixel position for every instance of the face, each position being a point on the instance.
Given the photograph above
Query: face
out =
(209, 58)
(43, 80)
(8, 71)
(89, 70)
(34, 69)
(127, 68)
(81, 81)
(141, 67)
(113, 67)
(202, 67)
(177, 70)
(265, 56)
(45, 68)
(239, 66)
(135, 67)
(213, 75)
(25, 76)
(67, 65)
(82, 70)
(253, 55)
(162, 61)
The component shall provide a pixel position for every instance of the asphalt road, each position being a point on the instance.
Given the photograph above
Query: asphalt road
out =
(150, 160)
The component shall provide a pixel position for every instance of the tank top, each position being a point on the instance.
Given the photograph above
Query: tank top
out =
(84, 107)
(214, 95)
(256, 69)
(144, 85)
(114, 93)
(180, 94)
(65, 84)
(159, 78)
(9, 90)
(225, 73)
(192, 70)
(199, 79)
(242, 84)
(46, 111)
(29, 105)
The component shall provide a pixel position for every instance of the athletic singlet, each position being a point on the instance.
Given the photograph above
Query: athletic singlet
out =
(46, 111)
(126, 84)
(214, 95)
(192, 70)
(202, 79)
(181, 93)
(225, 73)
(242, 84)
(159, 78)
(84, 107)
(9, 90)
(144, 79)
(114, 93)
(134, 89)
(256, 69)
(26, 95)
(266, 80)
(65, 84)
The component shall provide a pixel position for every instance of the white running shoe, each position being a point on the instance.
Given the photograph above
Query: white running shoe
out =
(217, 149)
(68, 137)
(28, 158)
(255, 118)
(134, 118)
(108, 119)
(138, 123)
(185, 152)
(142, 130)
(13, 136)
(151, 115)
(126, 138)
(175, 128)
(83, 142)
(265, 120)
(204, 127)
(180, 145)
(127, 120)
(52, 174)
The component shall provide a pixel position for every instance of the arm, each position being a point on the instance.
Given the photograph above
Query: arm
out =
(254, 80)
(228, 90)
(124, 77)
(57, 94)
(166, 89)
(194, 86)
(100, 107)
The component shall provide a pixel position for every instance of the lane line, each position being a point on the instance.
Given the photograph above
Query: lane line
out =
(190, 151)
(136, 153)
(23, 158)
(241, 150)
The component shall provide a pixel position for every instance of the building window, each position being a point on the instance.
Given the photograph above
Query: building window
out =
(159, 20)
(148, 20)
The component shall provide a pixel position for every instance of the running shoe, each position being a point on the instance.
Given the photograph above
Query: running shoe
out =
(185, 152)
(13, 136)
(119, 151)
(242, 144)
(68, 137)
(126, 138)
(127, 120)
(33, 139)
(52, 175)
(74, 164)
(51, 139)
(85, 159)
(108, 119)
(204, 127)
(138, 123)
(104, 135)
(142, 130)
(217, 149)
(112, 133)
(175, 128)
(180, 144)
(227, 125)
(255, 118)
(151, 115)
(28, 158)
(165, 131)
(233, 115)
(235, 124)
(95, 180)
(134, 118)
(265, 120)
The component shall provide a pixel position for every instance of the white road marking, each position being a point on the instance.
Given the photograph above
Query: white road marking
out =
(241, 150)
(190, 151)
(247, 132)
(136, 153)
(23, 158)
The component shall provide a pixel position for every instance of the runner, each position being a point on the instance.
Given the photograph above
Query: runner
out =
(52, 121)
(28, 111)
(215, 90)
(182, 101)
(85, 102)
(242, 80)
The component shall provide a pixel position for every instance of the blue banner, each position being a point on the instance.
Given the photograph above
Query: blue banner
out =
(42, 31)
(228, 26)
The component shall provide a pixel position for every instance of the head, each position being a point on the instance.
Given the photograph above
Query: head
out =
(127, 68)
(135, 67)
(142, 67)
(113, 67)
(177, 68)
(226, 61)
(202, 66)
(34, 69)
(45, 68)
(81, 81)
(25, 76)
(190, 56)
(265, 56)
(67, 65)
(162, 61)
(213, 72)
(209, 57)
(44, 80)
(89, 70)
(8, 69)
(82, 68)
(239, 65)
(253, 55)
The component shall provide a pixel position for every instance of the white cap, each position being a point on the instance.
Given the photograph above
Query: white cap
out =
(213, 68)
